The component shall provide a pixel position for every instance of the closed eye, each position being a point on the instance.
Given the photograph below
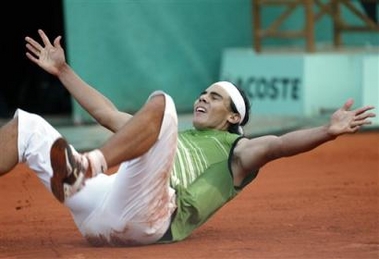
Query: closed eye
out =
(216, 96)
(213, 95)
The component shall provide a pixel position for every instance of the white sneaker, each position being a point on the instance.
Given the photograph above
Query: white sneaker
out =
(69, 170)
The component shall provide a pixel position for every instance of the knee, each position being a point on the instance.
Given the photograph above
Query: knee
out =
(5, 169)
(155, 108)
(158, 103)
(8, 148)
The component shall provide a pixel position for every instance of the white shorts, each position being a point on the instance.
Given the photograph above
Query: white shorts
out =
(35, 137)
(130, 207)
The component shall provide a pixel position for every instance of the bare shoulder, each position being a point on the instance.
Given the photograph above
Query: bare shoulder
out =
(250, 144)
(251, 154)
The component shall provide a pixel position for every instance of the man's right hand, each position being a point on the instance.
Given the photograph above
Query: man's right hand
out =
(49, 57)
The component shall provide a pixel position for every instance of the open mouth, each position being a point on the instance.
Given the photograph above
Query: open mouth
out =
(200, 109)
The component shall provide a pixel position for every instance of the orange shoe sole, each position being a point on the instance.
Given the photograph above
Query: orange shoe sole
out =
(60, 156)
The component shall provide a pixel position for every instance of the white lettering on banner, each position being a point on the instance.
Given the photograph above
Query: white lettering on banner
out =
(270, 88)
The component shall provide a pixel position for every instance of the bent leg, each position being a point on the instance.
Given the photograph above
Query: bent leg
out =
(34, 140)
(134, 139)
(138, 134)
(140, 202)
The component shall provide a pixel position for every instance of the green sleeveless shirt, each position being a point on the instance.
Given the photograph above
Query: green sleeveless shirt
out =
(201, 178)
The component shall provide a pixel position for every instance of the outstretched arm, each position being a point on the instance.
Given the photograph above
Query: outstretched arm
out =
(51, 58)
(254, 153)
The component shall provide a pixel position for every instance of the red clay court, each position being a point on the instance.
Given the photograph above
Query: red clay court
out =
(322, 204)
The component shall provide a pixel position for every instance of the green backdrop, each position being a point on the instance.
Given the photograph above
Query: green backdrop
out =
(129, 48)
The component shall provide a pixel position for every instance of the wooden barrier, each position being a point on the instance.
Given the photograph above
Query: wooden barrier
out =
(313, 11)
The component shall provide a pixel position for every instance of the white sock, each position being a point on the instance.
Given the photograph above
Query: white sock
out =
(97, 162)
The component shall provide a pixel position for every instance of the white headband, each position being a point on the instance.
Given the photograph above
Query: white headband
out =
(235, 95)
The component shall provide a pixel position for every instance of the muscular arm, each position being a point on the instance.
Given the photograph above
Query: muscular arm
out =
(51, 58)
(251, 154)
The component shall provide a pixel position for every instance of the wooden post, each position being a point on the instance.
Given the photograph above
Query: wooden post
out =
(336, 18)
(257, 25)
(309, 26)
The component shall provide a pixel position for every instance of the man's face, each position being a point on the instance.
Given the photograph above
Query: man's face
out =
(212, 109)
